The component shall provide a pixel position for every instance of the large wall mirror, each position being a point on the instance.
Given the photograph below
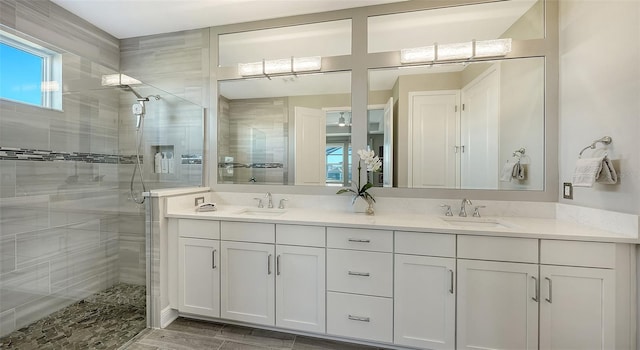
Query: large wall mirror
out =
(464, 125)
(437, 125)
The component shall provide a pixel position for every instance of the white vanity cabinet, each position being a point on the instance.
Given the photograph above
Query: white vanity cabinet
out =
(300, 277)
(248, 272)
(424, 282)
(360, 283)
(199, 267)
(578, 295)
(497, 299)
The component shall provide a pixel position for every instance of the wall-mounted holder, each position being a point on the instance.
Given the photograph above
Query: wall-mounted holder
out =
(605, 140)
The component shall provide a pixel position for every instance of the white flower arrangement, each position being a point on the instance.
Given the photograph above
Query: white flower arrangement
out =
(373, 164)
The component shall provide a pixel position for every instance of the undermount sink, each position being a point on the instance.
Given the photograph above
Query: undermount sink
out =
(475, 222)
(262, 212)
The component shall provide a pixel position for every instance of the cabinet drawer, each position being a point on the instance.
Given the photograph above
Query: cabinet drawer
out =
(207, 229)
(310, 236)
(248, 232)
(359, 316)
(360, 239)
(498, 248)
(359, 272)
(420, 243)
(572, 253)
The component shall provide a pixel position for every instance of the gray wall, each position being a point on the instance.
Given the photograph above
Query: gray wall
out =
(58, 219)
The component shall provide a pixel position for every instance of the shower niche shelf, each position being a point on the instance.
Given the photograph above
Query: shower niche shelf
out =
(163, 159)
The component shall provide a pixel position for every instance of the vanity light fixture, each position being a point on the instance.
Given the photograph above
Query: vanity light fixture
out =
(456, 51)
(119, 79)
(281, 66)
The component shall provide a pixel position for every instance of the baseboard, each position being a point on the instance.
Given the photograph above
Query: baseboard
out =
(167, 316)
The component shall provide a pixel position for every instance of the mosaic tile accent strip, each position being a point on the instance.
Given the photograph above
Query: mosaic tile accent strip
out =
(106, 320)
(11, 153)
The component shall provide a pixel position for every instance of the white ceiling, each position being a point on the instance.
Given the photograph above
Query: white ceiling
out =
(132, 18)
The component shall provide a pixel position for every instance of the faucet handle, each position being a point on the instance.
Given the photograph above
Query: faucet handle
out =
(448, 208)
(281, 205)
(476, 210)
(260, 205)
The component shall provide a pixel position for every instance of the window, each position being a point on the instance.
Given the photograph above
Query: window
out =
(29, 73)
(335, 162)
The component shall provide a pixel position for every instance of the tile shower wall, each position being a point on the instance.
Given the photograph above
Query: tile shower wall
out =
(58, 211)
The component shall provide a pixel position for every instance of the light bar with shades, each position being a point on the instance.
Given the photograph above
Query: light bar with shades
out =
(456, 51)
(119, 79)
(280, 66)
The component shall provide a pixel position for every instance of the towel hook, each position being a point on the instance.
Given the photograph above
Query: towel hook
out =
(605, 140)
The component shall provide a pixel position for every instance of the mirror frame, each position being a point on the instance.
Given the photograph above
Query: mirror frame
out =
(546, 47)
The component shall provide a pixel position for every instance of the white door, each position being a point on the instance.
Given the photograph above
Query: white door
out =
(479, 125)
(424, 302)
(248, 282)
(497, 305)
(387, 156)
(199, 276)
(310, 142)
(577, 308)
(300, 288)
(433, 117)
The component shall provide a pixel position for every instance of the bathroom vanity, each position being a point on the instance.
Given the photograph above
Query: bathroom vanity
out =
(404, 280)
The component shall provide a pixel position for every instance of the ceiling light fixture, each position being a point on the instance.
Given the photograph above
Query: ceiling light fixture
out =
(456, 51)
(341, 121)
(281, 66)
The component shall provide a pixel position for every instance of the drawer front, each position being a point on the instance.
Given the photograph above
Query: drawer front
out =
(498, 248)
(573, 253)
(420, 243)
(359, 316)
(359, 272)
(310, 236)
(248, 232)
(360, 239)
(207, 229)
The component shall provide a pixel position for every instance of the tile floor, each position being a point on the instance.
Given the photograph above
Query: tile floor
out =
(105, 320)
(188, 334)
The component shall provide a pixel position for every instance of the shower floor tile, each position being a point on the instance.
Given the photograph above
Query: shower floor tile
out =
(105, 320)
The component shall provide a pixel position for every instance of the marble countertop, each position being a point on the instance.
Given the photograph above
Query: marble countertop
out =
(522, 227)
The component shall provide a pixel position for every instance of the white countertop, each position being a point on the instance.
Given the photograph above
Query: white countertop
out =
(509, 226)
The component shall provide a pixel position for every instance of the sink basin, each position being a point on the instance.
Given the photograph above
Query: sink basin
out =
(262, 212)
(472, 222)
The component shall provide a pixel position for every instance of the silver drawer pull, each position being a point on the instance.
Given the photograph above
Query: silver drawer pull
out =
(359, 318)
(355, 273)
(359, 240)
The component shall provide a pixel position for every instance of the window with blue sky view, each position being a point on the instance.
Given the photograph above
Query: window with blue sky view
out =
(21, 75)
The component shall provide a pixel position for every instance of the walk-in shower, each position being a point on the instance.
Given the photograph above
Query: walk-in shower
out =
(138, 109)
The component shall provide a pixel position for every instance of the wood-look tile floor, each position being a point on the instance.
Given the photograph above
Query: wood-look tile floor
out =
(188, 334)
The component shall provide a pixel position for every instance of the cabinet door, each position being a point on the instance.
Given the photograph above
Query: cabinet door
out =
(300, 288)
(577, 308)
(424, 302)
(199, 276)
(248, 282)
(497, 305)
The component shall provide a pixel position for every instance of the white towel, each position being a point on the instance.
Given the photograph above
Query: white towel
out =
(507, 172)
(590, 170)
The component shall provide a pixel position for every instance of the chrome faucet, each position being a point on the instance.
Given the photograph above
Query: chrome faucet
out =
(270, 199)
(463, 209)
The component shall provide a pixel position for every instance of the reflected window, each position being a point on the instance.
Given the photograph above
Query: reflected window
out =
(338, 164)
(521, 20)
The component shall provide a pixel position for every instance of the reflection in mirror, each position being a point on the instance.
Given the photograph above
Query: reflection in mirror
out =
(521, 20)
(461, 125)
(286, 130)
